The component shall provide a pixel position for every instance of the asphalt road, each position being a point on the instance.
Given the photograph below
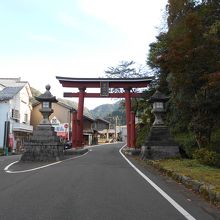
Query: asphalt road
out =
(100, 185)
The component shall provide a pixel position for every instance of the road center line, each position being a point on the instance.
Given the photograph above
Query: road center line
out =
(158, 189)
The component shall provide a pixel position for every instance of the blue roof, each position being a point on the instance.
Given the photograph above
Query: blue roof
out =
(9, 92)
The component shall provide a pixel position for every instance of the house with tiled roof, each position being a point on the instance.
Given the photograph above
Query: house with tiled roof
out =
(15, 112)
(61, 119)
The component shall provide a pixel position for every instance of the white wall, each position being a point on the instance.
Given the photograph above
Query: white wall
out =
(24, 107)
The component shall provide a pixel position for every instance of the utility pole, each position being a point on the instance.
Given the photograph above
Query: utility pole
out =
(116, 122)
(116, 125)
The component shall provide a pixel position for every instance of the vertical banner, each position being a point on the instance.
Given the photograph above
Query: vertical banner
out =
(104, 88)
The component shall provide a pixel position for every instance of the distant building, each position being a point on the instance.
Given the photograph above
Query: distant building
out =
(101, 124)
(61, 119)
(15, 111)
(123, 133)
(105, 133)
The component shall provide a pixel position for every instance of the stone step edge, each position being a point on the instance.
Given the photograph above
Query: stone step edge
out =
(206, 190)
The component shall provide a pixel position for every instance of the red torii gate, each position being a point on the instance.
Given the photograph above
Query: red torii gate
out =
(104, 84)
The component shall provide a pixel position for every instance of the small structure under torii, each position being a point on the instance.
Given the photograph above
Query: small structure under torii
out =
(104, 84)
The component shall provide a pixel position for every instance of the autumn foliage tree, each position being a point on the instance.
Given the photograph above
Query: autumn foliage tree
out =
(188, 59)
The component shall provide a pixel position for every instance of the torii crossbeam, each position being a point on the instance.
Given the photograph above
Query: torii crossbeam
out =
(104, 84)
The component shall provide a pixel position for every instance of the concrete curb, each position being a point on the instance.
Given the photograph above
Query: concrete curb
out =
(131, 151)
(208, 191)
(79, 151)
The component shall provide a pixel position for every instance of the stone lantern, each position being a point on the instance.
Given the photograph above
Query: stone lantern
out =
(44, 145)
(158, 100)
(46, 110)
(159, 143)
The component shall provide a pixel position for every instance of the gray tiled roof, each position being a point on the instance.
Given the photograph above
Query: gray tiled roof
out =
(71, 104)
(64, 102)
(9, 92)
(12, 82)
(102, 119)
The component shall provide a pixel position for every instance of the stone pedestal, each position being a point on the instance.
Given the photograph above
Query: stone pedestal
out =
(159, 144)
(44, 145)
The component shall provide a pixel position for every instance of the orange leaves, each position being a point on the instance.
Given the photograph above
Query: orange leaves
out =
(214, 80)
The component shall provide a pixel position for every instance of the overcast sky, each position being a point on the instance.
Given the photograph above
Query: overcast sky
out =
(42, 39)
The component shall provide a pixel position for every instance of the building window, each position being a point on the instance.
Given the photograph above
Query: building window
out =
(25, 118)
(15, 114)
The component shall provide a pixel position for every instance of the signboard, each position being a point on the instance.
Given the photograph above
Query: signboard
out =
(54, 121)
(62, 130)
(104, 88)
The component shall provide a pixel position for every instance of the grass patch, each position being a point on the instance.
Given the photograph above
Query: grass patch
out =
(1, 152)
(193, 169)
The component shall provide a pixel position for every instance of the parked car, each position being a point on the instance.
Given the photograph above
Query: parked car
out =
(67, 145)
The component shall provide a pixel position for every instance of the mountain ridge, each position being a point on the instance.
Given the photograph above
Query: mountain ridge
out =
(104, 110)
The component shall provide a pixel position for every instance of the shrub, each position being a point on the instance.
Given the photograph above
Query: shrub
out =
(142, 133)
(207, 157)
(187, 144)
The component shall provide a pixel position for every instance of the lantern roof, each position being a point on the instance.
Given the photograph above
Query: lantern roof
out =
(158, 97)
(47, 96)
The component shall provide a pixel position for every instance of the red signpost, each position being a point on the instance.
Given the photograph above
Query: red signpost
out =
(104, 84)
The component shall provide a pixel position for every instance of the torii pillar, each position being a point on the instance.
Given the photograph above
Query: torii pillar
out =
(74, 128)
(133, 132)
(128, 113)
(80, 118)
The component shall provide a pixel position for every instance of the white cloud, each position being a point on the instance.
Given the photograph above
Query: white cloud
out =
(136, 20)
(50, 39)
(44, 38)
(126, 15)
(68, 20)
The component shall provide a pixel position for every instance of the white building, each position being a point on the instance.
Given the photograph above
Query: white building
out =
(15, 111)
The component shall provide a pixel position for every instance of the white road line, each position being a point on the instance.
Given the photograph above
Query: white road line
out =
(37, 168)
(6, 168)
(41, 167)
(158, 189)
